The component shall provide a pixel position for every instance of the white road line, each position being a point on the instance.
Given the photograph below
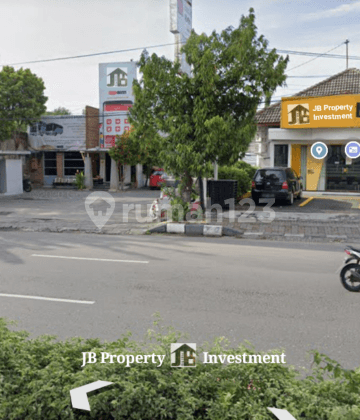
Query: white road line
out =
(89, 259)
(86, 302)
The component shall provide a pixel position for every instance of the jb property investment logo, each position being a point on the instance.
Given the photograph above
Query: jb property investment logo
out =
(298, 114)
(183, 354)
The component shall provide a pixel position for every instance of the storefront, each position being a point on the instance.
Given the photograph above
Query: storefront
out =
(334, 173)
(328, 112)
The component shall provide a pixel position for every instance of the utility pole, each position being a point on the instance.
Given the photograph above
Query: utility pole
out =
(347, 53)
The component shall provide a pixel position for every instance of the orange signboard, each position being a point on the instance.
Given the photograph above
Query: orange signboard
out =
(321, 111)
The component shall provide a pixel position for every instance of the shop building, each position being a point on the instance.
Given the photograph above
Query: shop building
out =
(62, 145)
(328, 112)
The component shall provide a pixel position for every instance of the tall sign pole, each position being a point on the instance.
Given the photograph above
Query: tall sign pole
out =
(180, 26)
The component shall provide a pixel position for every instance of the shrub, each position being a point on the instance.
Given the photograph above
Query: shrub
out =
(36, 377)
(250, 170)
(79, 180)
(239, 175)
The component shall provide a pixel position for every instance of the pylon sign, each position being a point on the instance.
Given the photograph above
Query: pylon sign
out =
(116, 98)
(180, 26)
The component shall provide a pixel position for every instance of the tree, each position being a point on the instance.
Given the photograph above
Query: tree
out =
(125, 152)
(22, 100)
(59, 111)
(211, 115)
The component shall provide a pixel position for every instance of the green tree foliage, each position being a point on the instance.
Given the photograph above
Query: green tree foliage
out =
(36, 377)
(125, 152)
(59, 111)
(211, 115)
(22, 100)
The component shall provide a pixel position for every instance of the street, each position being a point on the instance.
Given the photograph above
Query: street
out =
(274, 294)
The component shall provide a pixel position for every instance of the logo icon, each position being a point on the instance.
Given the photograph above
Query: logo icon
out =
(117, 77)
(183, 354)
(319, 150)
(99, 206)
(352, 150)
(298, 114)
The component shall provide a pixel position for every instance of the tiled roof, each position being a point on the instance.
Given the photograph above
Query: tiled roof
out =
(346, 82)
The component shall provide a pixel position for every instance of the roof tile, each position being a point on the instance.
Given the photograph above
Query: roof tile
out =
(346, 82)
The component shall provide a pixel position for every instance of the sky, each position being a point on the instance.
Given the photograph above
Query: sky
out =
(43, 29)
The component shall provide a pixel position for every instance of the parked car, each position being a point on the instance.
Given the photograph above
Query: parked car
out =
(278, 183)
(160, 178)
(156, 180)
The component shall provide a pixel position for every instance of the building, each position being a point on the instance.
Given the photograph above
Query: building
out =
(13, 159)
(291, 146)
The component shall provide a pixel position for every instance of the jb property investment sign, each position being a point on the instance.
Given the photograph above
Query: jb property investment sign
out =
(116, 98)
(321, 112)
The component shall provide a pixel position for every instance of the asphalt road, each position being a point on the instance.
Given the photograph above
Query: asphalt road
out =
(276, 295)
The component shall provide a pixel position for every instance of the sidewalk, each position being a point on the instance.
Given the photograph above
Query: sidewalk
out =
(63, 210)
(318, 217)
(327, 219)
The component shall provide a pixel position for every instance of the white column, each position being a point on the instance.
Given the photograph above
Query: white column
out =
(127, 174)
(216, 171)
(139, 175)
(114, 176)
(88, 172)
(102, 165)
(205, 191)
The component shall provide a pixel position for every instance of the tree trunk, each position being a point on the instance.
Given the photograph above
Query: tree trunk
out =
(186, 193)
(201, 186)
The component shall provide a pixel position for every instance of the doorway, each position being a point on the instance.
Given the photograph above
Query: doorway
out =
(342, 174)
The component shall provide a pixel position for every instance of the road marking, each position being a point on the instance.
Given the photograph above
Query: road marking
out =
(306, 202)
(89, 259)
(86, 302)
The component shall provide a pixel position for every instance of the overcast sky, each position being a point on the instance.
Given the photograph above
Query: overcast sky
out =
(43, 29)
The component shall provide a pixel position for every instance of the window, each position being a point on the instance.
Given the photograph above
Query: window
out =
(281, 155)
(50, 164)
(73, 162)
(270, 175)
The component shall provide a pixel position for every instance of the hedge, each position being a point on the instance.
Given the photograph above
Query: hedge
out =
(239, 175)
(36, 376)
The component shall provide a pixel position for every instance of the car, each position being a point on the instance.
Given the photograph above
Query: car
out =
(160, 178)
(156, 180)
(278, 183)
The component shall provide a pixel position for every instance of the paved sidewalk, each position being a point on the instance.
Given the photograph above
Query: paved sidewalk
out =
(63, 210)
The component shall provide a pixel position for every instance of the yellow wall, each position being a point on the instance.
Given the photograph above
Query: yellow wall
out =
(296, 158)
(314, 167)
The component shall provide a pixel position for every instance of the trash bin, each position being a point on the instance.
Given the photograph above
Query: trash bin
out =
(221, 190)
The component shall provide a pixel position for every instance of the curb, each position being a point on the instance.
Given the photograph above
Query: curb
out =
(195, 230)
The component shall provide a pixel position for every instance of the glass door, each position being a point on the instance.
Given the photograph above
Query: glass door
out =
(341, 174)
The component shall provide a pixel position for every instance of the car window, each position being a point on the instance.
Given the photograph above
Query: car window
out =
(270, 174)
(158, 173)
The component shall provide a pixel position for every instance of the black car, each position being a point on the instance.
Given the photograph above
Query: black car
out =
(278, 183)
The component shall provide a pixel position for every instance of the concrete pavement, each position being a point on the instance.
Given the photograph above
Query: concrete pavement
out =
(274, 294)
(63, 210)
(324, 219)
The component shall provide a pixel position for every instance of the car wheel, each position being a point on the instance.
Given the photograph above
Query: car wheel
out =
(290, 200)
(255, 200)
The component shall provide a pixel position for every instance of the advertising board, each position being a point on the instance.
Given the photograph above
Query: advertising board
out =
(321, 112)
(116, 98)
(58, 133)
(180, 26)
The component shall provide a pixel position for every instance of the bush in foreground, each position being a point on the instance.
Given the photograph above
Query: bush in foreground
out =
(36, 377)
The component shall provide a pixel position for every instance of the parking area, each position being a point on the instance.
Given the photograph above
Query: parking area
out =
(313, 204)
